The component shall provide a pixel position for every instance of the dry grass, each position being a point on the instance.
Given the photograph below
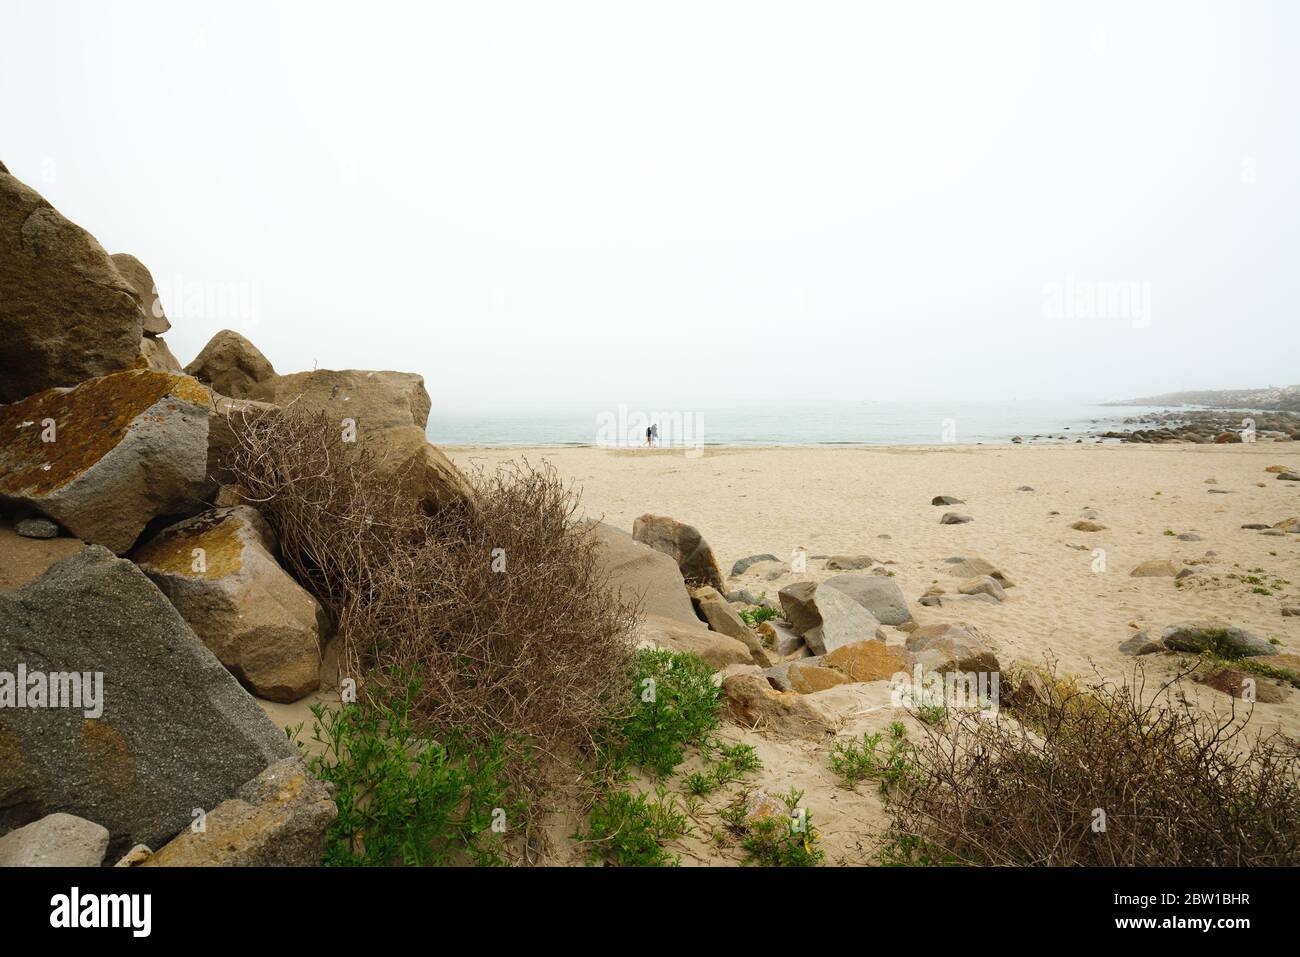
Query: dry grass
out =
(1176, 786)
(502, 609)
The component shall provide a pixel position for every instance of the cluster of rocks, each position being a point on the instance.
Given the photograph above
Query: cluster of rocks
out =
(844, 630)
(136, 567)
(1269, 679)
(1207, 427)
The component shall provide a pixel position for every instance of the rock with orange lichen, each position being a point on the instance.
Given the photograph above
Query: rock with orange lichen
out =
(753, 703)
(66, 313)
(105, 458)
(151, 727)
(220, 572)
(809, 679)
(867, 661)
(279, 819)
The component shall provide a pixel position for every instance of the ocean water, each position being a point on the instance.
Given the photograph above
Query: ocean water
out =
(827, 423)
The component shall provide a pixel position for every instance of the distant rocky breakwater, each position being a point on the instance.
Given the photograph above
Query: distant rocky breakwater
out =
(1208, 427)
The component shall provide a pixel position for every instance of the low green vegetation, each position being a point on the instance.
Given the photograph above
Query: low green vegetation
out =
(404, 799)
(676, 706)
(757, 615)
(629, 830)
(730, 765)
(890, 762)
(1215, 663)
(774, 839)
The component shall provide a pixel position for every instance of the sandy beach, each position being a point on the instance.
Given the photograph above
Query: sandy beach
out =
(877, 501)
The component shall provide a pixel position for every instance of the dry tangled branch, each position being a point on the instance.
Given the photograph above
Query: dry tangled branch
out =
(502, 610)
(1100, 776)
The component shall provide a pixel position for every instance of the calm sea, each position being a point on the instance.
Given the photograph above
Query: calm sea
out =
(846, 423)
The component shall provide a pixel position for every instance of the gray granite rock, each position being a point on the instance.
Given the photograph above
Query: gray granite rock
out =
(170, 730)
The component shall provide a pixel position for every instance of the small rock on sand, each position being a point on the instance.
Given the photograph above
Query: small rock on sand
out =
(1227, 640)
(742, 564)
(1156, 568)
(36, 527)
(849, 563)
(1140, 644)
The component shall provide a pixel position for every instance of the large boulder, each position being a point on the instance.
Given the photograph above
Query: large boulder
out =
(220, 572)
(106, 457)
(641, 574)
(944, 648)
(753, 703)
(843, 622)
(56, 840)
(388, 412)
(672, 634)
(798, 601)
(169, 731)
(66, 313)
(826, 617)
(780, 637)
(234, 367)
(141, 281)
(684, 544)
(278, 819)
(878, 594)
(155, 354)
(867, 661)
(716, 612)
(1228, 641)
(806, 678)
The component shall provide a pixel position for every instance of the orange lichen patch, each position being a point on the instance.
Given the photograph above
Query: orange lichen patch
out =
(89, 421)
(866, 661)
(12, 761)
(104, 748)
(219, 536)
(809, 679)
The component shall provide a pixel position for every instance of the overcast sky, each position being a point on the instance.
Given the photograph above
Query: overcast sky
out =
(539, 204)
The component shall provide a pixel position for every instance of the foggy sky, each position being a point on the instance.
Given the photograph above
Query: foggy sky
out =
(537, 204)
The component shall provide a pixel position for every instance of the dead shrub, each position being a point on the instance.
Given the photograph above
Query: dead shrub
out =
(1098, 776)
(502, 609)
